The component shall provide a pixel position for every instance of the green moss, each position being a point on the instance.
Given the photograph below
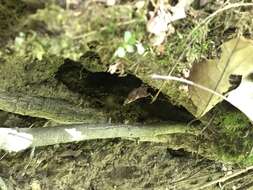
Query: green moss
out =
(13, 18)
(232, 123)
(248, 160)
(233, 135)
(37, 46)
(26, 70)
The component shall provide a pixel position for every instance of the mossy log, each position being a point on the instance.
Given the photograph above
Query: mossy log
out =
(59, 111)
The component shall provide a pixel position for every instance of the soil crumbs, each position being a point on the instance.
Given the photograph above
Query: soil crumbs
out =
(107, 164)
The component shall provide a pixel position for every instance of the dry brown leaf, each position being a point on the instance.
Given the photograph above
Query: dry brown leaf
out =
(236, 59)
(158, 23)
(117, 68)
(137, 93)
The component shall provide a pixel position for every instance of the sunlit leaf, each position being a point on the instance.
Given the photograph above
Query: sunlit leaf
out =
(129, 38)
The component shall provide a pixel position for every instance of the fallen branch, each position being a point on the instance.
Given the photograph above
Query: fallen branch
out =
(23, 138)
(56, 110)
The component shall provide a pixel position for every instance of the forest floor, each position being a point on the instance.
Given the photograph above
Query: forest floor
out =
(100, 54)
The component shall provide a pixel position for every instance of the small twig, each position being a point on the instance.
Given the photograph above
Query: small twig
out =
(190, 176)
(225, 178)
(3, 156)
(227, 7)
(155, 76)
(160, 77)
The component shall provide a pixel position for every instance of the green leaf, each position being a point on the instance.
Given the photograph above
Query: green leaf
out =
(129, 38)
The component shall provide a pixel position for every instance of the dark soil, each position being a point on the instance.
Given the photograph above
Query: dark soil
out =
(107, 164)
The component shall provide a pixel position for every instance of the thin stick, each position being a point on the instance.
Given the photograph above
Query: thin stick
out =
(225, 178)
(155, 76)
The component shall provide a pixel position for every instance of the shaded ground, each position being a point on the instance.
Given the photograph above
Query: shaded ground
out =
(109, 164)
(112, 164)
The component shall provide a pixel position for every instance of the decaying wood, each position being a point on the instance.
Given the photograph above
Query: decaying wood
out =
(79, 126)
(59, 111)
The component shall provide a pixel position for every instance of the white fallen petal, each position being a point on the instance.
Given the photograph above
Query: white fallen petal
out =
(178, 13)
(158, 39)
(140, 48)
(159, 23)
(120, 52)
(140, 4)
(112, 69)
(179, 9)
(110, 2)
(19, 41)
(129, 48)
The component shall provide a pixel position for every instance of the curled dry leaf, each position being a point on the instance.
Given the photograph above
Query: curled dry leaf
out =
(157, 40)
(137, 93)
(236, 59)
(117, 68)
(160, 22)
(110, 2)
(179, 10)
